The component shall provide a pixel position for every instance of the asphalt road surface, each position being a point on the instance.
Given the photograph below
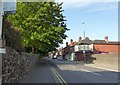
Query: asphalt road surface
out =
(61, 71)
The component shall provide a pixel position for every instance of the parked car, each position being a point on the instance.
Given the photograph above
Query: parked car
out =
(60, 58)
(54, 57)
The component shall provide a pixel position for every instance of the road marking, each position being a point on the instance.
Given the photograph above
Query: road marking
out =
(60, 77)
(61, 67)
(91, 72)
(56, 75)
(54, 72)
(72, 66)
(102, 68)
(86, 70)
(62, 81)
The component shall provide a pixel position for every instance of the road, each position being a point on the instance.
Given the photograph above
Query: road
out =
(62, 71)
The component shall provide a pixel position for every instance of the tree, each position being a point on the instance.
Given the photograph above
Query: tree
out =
(12, 36)
(41, 24)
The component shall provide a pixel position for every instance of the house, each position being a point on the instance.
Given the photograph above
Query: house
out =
(105, 46)
(88, 46)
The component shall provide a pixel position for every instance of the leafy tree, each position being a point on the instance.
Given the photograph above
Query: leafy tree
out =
(12, 36)
(41, 24)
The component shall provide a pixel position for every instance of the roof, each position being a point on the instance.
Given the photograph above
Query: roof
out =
(99, 42)
(87, 41)
(104, 42)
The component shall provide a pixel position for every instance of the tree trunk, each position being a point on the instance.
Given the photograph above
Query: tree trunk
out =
(33, 50)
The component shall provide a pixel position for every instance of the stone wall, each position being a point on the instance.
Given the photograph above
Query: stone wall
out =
(15, 66)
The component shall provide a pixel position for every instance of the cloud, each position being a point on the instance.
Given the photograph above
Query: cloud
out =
(103, 7)
(87, 0)
(90, 5)
(67, 5)
(82, 3)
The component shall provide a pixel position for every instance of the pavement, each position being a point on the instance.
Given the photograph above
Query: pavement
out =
(0, 79)
(40, 74)
(104, 66)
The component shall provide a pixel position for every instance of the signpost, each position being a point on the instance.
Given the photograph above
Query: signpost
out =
(6, 7)
(9, 8)
(2, 50)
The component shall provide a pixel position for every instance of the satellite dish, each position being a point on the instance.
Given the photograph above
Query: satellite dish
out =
(9, 7)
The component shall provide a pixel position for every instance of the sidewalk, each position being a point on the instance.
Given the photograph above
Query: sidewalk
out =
(40, 74)
(0, 80)
(104, 66)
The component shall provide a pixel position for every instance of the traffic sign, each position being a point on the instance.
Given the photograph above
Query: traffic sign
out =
(2, 50)
(9, 7)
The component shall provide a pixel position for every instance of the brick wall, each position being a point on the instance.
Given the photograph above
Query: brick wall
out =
(15, 66)
(106, 48)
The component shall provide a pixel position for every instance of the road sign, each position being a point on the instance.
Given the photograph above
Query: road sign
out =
(9, 7)
(2, 50)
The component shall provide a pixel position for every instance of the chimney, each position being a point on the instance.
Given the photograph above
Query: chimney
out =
(74, 42)
(71, 42)
(87, 38)
(80, 40)
(66, 44)
(106, 39)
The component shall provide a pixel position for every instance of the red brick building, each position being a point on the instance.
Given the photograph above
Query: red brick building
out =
(99, 46)
(106, 46)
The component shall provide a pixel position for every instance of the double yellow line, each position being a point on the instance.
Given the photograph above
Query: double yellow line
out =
(62, 81)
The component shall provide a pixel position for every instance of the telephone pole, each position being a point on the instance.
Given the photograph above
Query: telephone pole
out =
(84, 42)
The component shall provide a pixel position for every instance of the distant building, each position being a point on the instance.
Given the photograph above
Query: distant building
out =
(90, 47)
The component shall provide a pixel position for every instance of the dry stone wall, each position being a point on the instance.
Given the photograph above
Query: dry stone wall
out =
(15, 66)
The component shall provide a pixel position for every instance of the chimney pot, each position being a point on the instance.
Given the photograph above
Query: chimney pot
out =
(66, 44)
(71, 42)
(106, 39)
(80, 40)
(74, 42)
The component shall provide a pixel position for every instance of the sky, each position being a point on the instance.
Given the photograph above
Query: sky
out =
(100, 19)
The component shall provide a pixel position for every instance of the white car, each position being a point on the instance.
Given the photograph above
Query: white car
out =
(54, 57)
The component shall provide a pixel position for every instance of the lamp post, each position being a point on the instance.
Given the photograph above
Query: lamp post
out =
(5, 8)
(1, 11)
(84, 43)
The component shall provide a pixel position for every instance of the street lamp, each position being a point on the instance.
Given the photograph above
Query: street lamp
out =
(84, 43)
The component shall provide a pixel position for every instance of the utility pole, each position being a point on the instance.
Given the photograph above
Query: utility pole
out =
(1, 42)
(1, 13)
(84, 42)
